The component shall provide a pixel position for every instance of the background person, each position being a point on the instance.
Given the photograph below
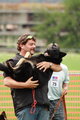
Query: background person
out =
(58, 86)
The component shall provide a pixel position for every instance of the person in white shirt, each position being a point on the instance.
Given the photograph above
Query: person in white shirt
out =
(57, 86)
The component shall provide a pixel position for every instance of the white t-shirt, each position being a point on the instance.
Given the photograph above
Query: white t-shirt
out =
(56, 82)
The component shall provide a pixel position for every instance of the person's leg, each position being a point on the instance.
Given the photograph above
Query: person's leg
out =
(43, 114)
(51, 109)
(26, 115)
(59, 114)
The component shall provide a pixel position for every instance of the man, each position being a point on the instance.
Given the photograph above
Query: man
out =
(22, 91)
(58, 86)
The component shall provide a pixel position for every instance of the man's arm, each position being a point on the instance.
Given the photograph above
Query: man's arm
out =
(45, 65)
(9, 82)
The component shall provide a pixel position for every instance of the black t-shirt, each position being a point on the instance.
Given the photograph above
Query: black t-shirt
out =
(23, 97)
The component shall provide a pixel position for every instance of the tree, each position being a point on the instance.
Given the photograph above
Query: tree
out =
(62, 27)
(72, 8)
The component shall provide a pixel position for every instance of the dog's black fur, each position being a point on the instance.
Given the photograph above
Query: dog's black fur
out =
(26, 69)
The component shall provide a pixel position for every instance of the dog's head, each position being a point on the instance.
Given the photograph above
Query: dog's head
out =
(53, 51)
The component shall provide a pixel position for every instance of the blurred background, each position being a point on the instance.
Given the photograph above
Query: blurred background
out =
(49, 21)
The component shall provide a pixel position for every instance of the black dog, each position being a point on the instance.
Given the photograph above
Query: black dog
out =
(28, 67)
(3, 116)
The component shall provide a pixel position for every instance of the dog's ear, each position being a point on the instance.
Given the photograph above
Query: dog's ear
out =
(62, 54)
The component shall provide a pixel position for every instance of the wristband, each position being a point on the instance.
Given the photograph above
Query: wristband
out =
(50, 65)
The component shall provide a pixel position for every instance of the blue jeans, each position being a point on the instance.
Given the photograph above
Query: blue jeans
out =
(41, 113)
(59, 114)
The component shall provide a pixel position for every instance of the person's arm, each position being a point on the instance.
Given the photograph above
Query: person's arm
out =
(9, 82)
(66, 80)
(45, 65)
(65, 88)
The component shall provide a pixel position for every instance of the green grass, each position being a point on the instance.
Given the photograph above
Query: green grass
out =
(72, 61)
(5, 56)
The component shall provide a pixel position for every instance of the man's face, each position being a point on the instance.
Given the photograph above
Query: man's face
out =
(29, 46)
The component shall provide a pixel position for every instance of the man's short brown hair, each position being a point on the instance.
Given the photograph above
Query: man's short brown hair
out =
(23, 40)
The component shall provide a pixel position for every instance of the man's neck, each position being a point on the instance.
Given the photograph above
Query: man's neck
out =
(22, 53)
(25, 54)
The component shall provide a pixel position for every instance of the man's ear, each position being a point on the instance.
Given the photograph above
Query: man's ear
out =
(21, 46)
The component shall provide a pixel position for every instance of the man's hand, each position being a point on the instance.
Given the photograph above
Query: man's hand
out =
(31, 84)
(43, 66)
(46, 65)
(9, 82)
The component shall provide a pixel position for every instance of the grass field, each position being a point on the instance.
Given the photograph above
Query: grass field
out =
(72, 61)
(73, 97)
